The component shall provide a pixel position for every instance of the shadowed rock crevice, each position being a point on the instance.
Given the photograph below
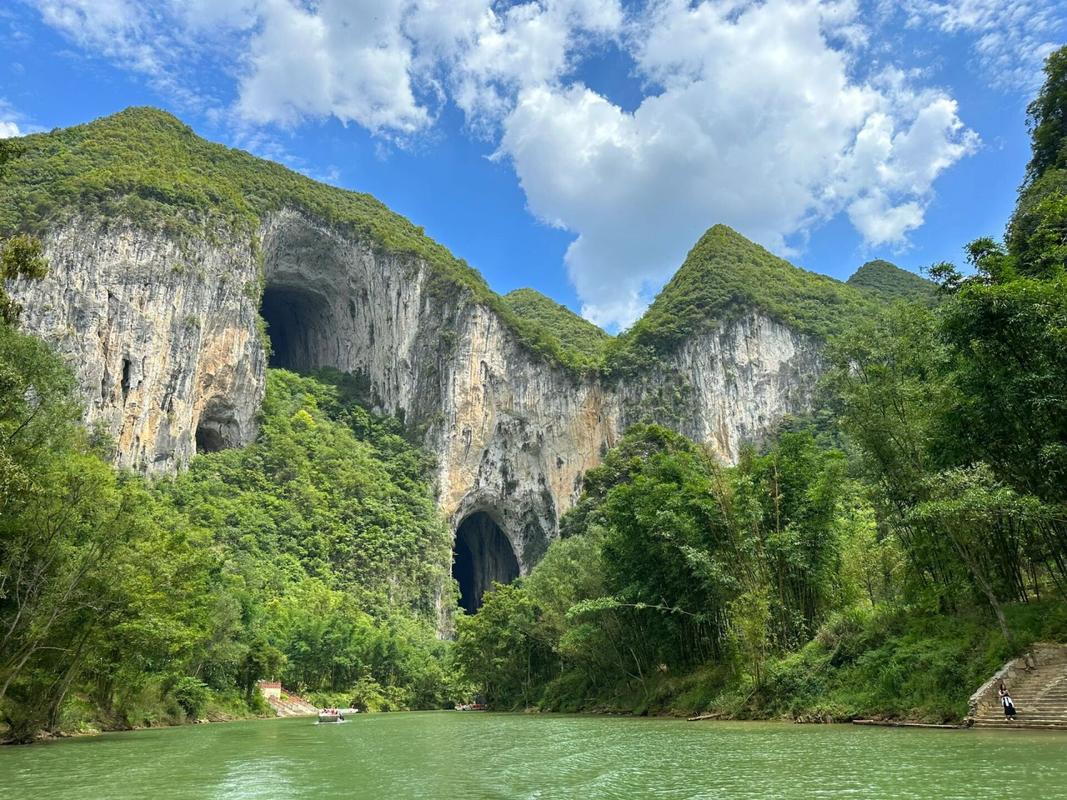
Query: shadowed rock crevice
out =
(218, 427)
(481, 555)
(300, 326)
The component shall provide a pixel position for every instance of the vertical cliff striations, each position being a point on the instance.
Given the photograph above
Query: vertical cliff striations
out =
(159, 306)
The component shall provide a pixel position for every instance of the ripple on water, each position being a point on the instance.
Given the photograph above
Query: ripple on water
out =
(547, 757)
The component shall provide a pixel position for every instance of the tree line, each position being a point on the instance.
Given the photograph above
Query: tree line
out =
(881, 556)
(314, 555)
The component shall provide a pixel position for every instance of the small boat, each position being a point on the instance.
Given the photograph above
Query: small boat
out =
(471, 707)
(331, 715)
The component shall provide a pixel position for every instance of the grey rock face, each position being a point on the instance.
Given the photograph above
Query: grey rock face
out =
(162, 337)
(730, 386)
(164, 340)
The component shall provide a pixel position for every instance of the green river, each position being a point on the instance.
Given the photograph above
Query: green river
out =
(452, 755)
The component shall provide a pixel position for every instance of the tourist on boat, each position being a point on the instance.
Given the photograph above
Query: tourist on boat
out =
(1006, 701)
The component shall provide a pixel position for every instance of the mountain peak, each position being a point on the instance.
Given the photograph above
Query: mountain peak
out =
(579, 337)
(889, 282)
(726, 275)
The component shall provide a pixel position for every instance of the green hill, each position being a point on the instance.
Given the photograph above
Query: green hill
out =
(579, 337)
(724, 275)
(890, 283)
(146, 165)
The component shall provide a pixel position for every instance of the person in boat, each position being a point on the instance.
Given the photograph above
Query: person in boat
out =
(1006, 701)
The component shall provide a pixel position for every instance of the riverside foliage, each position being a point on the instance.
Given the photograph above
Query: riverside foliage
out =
(313, 555)
(887, 574)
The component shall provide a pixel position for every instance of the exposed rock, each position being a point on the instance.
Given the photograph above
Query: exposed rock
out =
(730, 386)
(161, 334)
(164, 339)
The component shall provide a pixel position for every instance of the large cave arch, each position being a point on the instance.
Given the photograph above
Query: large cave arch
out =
(481, 555)
(300, 326)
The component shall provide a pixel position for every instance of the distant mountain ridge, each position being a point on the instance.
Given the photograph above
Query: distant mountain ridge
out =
(145, 164)
(181, 268)
(890, 283)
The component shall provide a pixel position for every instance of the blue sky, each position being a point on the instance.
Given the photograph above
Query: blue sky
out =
(581, 146)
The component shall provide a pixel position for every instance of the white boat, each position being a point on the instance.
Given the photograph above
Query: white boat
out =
(331, 715)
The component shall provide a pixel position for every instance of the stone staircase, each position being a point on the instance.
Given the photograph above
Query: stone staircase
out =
(290, 705)
(1037, 683)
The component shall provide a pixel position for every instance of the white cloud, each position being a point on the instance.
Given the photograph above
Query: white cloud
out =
(1011, 38)
(153, 39)
(384, 63)
(9, 121)
(348, 59)
(120, 29)
(760, 114)
(758, 124)
(524, 45)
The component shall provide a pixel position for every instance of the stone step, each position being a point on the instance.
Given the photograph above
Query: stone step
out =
(1037, 681)
(1032, 712)
(1058, 707)
(1059, 728)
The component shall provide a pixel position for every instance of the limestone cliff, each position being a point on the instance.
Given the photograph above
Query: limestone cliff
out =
(162, 336)
(728, 386)
(161, 320)
(164, 339)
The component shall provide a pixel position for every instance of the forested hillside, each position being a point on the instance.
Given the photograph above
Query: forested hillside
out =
(891, 283)
(885, 562)
(582, 339)
(723, 276)
(315, 556)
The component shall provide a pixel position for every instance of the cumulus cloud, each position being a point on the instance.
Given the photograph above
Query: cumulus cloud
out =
(9, 121)
(763, 115)
(349, 60)
(386, 64)
(757, 123)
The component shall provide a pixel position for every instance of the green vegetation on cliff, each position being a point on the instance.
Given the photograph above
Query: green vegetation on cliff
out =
(146, 166)
(890, 283)
(314, 555)
(583, 340)
(724, 276)
(890, 577)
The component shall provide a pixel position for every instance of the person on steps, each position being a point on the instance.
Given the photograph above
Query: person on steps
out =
(1006, 701)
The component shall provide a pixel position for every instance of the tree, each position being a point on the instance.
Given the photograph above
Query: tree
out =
(21, 256)
(1047, 120)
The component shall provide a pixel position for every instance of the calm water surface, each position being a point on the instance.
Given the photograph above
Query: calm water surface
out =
(451, 756)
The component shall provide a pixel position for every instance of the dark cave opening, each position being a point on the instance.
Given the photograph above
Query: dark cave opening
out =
(217, 428)
(481, 555)
(297, 325)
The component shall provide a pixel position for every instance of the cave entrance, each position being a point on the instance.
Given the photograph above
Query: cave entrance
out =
(481, 554)
(217, 428)
(299, 327)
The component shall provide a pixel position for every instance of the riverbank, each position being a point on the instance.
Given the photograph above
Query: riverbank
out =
(884, 665)
(81, 719)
